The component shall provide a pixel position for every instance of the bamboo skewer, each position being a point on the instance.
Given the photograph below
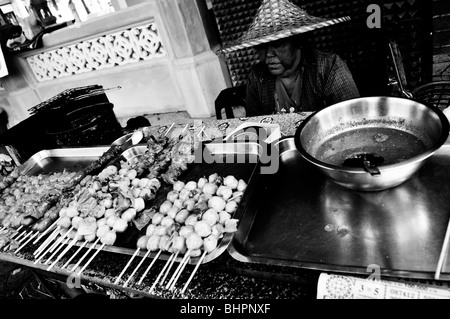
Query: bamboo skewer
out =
(161, 272)
(137, 267)
(169, 129)
(60, 239)
(56, 251)
(25, 237)
(46, 242)
(20, 235)
(126, 266)
(25, 243)
(85, 254)
(175, 274)
(52, 247)
(168, 268)
(17, 231)
(186, 261)
(74, 240)
(45, 232)
(444, 249)
(193, 272)
(73, 256)
(92, 258)
(149, 266)
(5, 248)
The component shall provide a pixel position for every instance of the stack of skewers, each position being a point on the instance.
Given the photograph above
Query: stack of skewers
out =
(190, 223)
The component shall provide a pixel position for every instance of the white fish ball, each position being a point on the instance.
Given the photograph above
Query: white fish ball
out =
(202, 228)
(165, 207)
(231, 207)
(150, 230)
(186, 230)
(142, 242)
(224, 216)
(194, 241)
(120, 225)
(217, 203)
(157, 218)
(109, 238)
(211, 216)
(190, 185)
(210, 243)
(178, 186)
(181, 216)
(153, 242)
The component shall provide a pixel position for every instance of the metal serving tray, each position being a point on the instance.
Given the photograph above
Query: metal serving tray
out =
(224, 163)
(55, 160)
(221, 159)
(299, 218)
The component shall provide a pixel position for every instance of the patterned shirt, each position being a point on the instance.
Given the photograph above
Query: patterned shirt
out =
(325, 80)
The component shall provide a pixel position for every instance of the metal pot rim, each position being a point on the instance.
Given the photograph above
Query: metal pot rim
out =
(421, 157)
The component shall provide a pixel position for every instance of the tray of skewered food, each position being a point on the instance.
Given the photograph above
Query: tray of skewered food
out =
(154, 200)
(34, 192)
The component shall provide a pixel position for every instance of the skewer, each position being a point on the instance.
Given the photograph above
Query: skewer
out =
(20, 235)
(25, 237)
(168, 269)
(47, 241)
(444, 249)
(46, 231)
(137, 267)
(178, 269)
(17, 231)
(73, 256)
(60, 239)
(74, 240)
(25, 243)
(89, 261)
(56, 251)
(52, 247)
(2, 229)
(85, 254)
(127, 265)
(193, 272)
(5, 248)
(169, 129)
(161, 272)
(43, 253)
(172, 286)
(149, 266)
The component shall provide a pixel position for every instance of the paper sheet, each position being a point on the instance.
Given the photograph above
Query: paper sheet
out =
(331, 286)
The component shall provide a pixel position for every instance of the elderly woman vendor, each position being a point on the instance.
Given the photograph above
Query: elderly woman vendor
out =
(289, 77)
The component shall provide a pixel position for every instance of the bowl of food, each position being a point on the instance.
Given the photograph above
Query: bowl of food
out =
(371, 143)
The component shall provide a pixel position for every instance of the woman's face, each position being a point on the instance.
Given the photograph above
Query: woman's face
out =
(281, 57)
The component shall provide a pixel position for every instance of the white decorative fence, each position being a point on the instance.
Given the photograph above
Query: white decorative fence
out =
(124, 47)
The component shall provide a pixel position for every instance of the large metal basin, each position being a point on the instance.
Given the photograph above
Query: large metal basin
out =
(372, 143)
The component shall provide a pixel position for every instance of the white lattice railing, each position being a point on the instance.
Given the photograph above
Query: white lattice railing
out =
(108, 51)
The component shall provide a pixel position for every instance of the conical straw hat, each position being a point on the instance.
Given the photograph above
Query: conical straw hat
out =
(278, 19)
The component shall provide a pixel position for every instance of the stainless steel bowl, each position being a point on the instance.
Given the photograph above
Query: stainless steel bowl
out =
(371, 143)
(132, 154)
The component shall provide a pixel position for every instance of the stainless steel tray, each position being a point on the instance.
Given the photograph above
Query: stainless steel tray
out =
(222, 155)
(299, 218)
(221, 159)
(55, 160)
